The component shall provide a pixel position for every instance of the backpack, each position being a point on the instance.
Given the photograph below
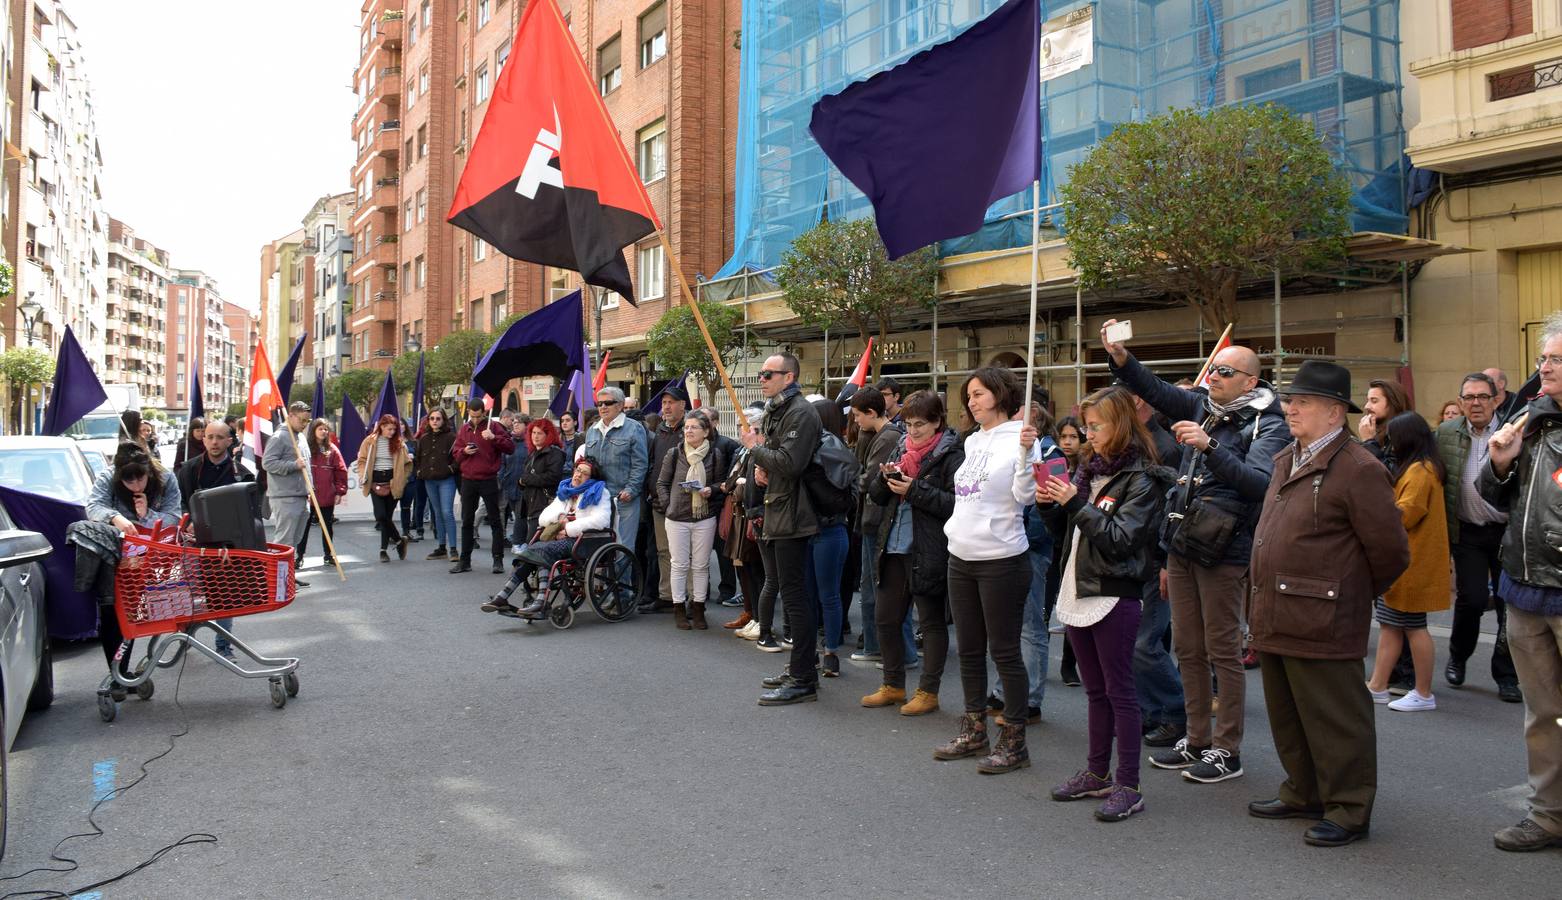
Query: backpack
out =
(831, 477)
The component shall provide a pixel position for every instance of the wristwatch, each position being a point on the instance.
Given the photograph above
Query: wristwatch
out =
(1212, 446)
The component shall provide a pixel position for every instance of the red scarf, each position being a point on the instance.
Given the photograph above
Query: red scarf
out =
(910, 461)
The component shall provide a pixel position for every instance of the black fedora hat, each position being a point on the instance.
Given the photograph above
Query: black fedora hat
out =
(1322, 379)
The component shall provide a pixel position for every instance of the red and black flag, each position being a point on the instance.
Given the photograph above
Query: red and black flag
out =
(548, 180)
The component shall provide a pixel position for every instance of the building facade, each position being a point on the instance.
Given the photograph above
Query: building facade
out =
(327, 226)
(243, 327)
(198, 341)
(136, 317)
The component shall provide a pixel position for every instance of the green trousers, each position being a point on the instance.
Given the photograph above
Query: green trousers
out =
(1325, 734)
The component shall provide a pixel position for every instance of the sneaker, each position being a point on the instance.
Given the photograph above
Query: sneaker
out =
(439, 553)
(1414, 702)
(749, 632)
(733, 602)
(1215, 765)
(1121, 803)
(1084, 784)
(1525, 836)
(865, 656)
(769, 644)
(1379, 697)
(1180, 756)
(515, 549)
(786, 643)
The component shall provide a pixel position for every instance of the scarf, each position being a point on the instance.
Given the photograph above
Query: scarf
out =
(1259, 397)
(1099, 466)
(589, 494)
(911, 458)
(696, 458)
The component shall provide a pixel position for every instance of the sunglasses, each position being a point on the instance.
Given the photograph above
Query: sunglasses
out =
(607, 402)
(1228, 372)
(767, 374)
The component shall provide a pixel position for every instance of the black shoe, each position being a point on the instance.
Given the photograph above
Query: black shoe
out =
(774, 681)
(1070, 675)
(439, 553)
(1510, 693)
(860, 639)
(1180, 756)
(1328, 834)
(789, 693)
(647, 607)
(299, 582)
(1165, 734)
(384, 556)
(1277, 809)
(769, 644)
(498, 565)
(401, 548)
(1454, 674)
(1216, 765)
(829, 665)
(460, 565)
(497, 605)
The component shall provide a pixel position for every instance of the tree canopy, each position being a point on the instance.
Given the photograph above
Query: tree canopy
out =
(837, 274)
(676, 343)
(1193, 202)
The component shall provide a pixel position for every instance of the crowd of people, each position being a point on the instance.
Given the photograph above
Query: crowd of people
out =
(1173, 532)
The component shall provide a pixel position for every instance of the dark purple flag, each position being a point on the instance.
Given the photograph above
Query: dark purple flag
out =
(386, 402)
(550, 341)
(197, 402)
(352, 432)
(285, 377)
(654, 405)
(318, 408)
(417, 395)
(72, 614)
(77, 390)
(939, 138)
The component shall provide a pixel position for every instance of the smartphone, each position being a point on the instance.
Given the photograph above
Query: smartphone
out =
(470, 445)
(1056, 467)
(1119, 332)
(892, 472)
(690, 485)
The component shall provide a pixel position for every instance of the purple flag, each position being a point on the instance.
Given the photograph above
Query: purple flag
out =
(939, 138)
(72, 615)
(417, 395)
(285, 377)
(654, 405)
(197, 402)
(386, 402)
(350, 436)
(547, 342)
(317, 409)
(77, 390)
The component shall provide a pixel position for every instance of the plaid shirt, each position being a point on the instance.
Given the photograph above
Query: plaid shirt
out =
(1303, 454)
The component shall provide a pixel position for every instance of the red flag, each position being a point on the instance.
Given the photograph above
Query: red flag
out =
(860, 375)
(600, 378)
(265, 399)
(548, 180)
(1223, 343)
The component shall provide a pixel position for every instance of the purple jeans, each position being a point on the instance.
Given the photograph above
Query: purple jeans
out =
(1105, 652)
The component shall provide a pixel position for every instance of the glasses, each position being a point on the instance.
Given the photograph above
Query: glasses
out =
(1552, 360)
(1476, 398)
(1228, 372)
(1096, 427)
(607, 402)
(767, 374)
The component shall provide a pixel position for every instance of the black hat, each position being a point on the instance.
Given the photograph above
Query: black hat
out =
(1322, 379)
(677, 391)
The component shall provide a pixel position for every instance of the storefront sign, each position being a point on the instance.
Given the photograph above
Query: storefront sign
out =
(1067, 43)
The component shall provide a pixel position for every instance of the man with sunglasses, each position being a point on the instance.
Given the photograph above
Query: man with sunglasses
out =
(781, 450)
(1230, 433)
(1475, 529)
(620, 447)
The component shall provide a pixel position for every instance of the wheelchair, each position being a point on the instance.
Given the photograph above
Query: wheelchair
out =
(599, 571)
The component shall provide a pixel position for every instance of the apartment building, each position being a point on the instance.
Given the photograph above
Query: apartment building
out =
(135, 318)
(243, 327)
(327, 227)
(198, 340)
(287, 284)
(54, 228)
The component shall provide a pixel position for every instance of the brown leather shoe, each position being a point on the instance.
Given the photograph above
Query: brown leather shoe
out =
(884, 696)
(971, 741)
(681, 616)
(699, 616)
(921, 704)
(740, 621)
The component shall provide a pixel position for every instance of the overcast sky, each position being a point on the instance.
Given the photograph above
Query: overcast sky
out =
(221, 123)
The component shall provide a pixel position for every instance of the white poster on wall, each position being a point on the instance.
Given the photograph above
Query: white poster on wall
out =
(1067, 43)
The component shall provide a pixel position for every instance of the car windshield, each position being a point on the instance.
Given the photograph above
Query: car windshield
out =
(95, 427)
(51, 471)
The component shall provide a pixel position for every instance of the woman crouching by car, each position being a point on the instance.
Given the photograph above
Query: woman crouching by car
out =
(1114, 503)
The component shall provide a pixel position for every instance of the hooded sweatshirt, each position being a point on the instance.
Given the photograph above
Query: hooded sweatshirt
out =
(992, 489)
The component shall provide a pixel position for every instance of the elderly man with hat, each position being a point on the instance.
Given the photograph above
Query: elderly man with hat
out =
(1328, 542)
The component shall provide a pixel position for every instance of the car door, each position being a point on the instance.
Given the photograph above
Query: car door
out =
(21, 616)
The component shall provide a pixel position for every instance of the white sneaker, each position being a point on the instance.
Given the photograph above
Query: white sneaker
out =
(749, 632)
(1379, 697)
(1414, 702)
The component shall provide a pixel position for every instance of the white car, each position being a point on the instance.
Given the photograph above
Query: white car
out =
(55, 467)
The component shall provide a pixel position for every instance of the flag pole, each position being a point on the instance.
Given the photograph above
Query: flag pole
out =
(721, 370)
(1035, 277)
(309, 483)
(1211, 361)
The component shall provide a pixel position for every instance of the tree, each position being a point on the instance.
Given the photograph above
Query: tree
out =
(837, 273)
(456, 356)
(362, 385)
(302, 392)
(676, 343)
(237, 409)
(22, 367)
(1193, 202)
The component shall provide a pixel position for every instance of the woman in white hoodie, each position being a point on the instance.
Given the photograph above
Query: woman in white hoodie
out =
(989, 571)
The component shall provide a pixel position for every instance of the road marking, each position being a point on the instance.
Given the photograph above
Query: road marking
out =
(90, 895)
(103, 776)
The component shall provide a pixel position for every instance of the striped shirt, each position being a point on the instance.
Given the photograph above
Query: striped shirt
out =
(1304, 454)
(1472, 507)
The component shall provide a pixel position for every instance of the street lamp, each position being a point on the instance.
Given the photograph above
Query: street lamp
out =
(412, 345)
(30, 309)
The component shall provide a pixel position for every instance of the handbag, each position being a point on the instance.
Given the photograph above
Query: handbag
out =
(724, 520)
(1205, 532)
(551, 531)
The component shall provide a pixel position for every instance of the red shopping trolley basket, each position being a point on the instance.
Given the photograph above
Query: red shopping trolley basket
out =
(163, 585)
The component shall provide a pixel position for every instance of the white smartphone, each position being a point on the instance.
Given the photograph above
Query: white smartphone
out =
(1120, 332)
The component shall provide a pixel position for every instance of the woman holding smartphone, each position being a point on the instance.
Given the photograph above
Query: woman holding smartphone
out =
(689, 485)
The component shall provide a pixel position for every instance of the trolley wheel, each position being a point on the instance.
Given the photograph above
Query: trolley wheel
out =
(278, 693)
(106, 708)
(562, 615)
(146, 689)
(613, 582)
(290, 682)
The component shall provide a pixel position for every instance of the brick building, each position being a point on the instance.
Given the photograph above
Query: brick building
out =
(194, 334)
(244, 333)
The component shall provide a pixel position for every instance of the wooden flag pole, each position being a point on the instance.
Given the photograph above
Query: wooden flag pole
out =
(1213, 353)
(309, 483)
(688, 296)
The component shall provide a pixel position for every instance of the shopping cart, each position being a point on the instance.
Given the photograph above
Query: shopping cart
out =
(166, 589)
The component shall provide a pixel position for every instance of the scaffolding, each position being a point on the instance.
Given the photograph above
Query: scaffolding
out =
(1334, 61)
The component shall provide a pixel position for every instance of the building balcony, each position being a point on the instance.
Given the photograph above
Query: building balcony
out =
(1489, 106)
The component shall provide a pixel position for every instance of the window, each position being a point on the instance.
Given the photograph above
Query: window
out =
(496, 310)
(479, 250)
(409, 157)
(422, 141)
(484, 12)
(651, 274)
(423, 77)
(653, 35)
(422, 206)
(481, 78)
(477, 312)
(406, 273)
(412, 32)
(610, 71)
(406, 217)
(422, 271)
(500, 56)
(428, 14)
(652, 141)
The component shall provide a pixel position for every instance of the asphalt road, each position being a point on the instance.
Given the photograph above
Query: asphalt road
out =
(436, 751)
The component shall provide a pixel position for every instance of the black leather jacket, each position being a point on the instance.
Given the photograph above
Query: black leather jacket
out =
(1117, 533)
(1532, 544)
(791, 429)
(932, 499)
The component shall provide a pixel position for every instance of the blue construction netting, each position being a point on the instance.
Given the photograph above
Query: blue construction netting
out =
(1335, 61)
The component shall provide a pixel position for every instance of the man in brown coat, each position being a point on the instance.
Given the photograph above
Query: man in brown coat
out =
(1329, 542)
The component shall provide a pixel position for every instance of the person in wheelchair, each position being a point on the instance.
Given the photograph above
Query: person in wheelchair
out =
(580, 505)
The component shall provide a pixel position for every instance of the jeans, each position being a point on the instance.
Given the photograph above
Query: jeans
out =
(896, 602)
(689, 544)
(826, 556)
(626, 522)
(765, 601)
(987, 599)
(1106, 666)
(791, 557)
(486, 490)
(1035, 642)
(407, 502)
(441, 501)
(419, 502)
(1155, 675)
(1475, 571)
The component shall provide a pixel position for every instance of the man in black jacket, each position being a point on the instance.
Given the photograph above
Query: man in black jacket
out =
(781, 450)
(217, 467)
(1230, 433)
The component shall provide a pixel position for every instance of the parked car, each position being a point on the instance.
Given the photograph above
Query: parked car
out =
(55, 467)
(26, 657)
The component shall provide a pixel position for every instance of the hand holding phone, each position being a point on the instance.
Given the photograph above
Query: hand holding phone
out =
(690, 485)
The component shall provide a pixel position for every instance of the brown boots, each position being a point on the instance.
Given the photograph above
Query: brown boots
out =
(884, 696)
(681, 616)
(921, 704)
(971, 741)
(1008, 754)
(691, 615)
(698, 615)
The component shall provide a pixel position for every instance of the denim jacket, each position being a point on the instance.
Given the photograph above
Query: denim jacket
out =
(623, 453)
